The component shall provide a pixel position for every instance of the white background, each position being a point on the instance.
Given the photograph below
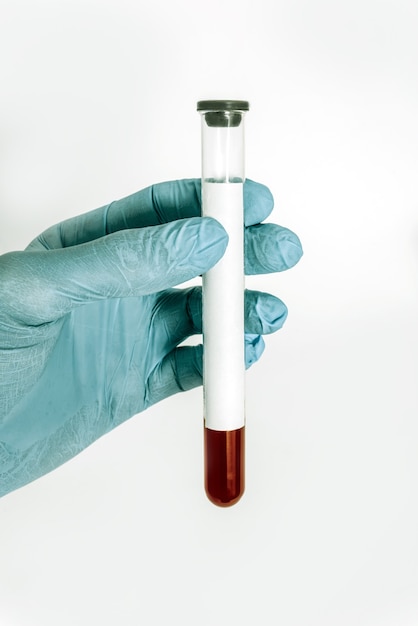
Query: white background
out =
(98, 100)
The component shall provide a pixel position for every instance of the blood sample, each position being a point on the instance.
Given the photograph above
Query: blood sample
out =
(223, 302)
(224, 465)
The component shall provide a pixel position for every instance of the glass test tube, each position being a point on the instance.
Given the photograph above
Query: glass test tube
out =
(223, 302)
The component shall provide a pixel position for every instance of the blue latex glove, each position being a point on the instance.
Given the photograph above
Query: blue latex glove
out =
(90, 323)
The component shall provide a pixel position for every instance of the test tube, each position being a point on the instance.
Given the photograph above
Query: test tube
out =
(223, 302)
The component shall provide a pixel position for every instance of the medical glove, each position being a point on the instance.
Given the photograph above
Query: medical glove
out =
(91, 324)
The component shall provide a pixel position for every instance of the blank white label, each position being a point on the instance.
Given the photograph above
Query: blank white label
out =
(223, 313)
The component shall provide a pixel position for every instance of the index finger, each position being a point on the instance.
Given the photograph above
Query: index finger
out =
(181, 198)
(158, 204)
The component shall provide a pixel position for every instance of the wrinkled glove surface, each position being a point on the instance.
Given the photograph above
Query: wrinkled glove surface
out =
(90, 322)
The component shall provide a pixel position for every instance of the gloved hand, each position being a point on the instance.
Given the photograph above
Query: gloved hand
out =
(90, 323)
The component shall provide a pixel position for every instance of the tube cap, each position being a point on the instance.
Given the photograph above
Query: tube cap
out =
(223, 105)
(223, 113)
